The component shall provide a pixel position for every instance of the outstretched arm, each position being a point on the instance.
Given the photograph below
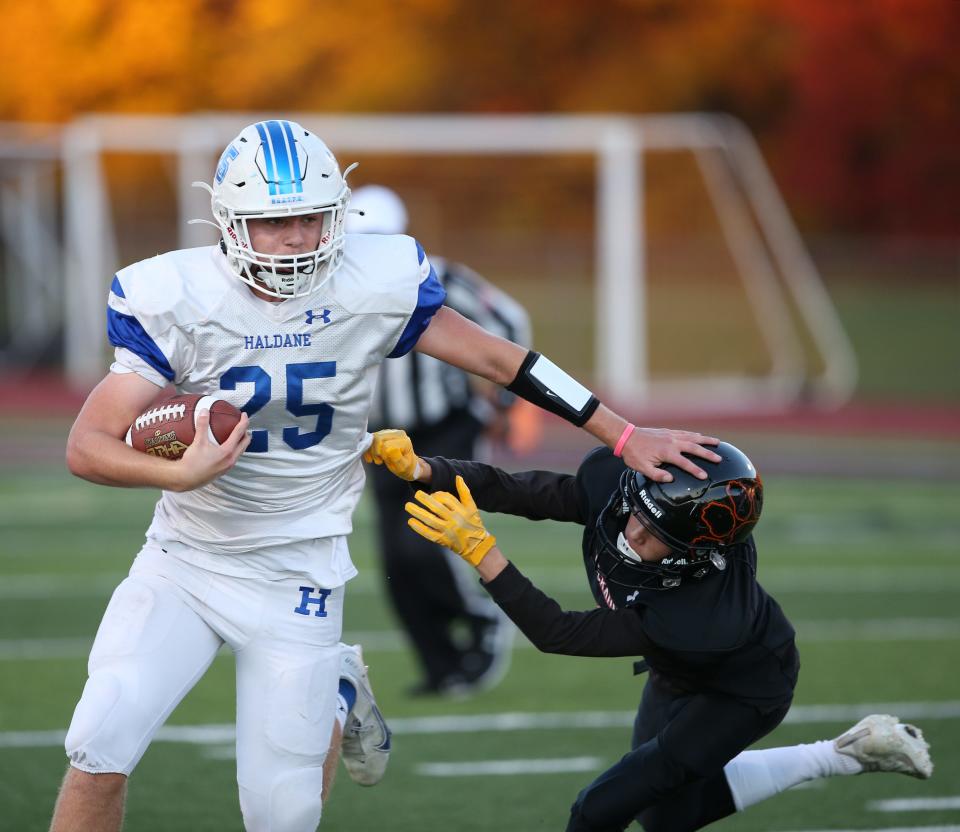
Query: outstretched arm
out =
(455, 522)
(536, 495)
(452, 338)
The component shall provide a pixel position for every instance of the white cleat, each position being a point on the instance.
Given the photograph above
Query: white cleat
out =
(880, 742)
(365, 748)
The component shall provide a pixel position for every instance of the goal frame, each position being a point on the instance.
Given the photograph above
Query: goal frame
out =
(777, 272)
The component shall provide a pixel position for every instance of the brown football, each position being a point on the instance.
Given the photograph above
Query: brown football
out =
(167, 428)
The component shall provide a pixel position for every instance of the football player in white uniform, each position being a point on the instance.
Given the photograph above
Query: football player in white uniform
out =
(288, 319)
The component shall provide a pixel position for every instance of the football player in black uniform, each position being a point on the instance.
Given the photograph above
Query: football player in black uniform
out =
(672, 566)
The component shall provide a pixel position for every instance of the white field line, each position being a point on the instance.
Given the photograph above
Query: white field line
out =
(818, 631)
(799, 715)
(914, 804)
(220, 752)
(890, 829)
(876, 629)
(47, 587)
(25, 649)
(46, 649)
(510, 767)
(39, 587)
(556, 765)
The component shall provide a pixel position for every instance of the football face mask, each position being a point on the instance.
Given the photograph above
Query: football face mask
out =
(278, 169)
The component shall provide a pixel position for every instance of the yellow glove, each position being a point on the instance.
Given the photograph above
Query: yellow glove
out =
(394, 449)
(453, 523)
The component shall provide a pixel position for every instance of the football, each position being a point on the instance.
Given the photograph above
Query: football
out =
(168, 428)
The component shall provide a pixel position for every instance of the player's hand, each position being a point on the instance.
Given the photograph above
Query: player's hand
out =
(648, 448)
(394, 449)
(453, 523)
(204, 460)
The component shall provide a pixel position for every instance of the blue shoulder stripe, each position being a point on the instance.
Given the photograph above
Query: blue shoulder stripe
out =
(116, 288)
(421, 254)
(127, 332)
(430, 297)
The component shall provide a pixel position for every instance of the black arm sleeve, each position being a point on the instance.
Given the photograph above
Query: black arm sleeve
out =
(536, 495)
(599, 632)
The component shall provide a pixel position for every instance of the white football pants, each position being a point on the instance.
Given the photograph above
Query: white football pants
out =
(160, 633)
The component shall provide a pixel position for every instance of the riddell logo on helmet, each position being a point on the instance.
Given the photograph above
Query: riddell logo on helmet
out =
(235, 238)
(650, 504)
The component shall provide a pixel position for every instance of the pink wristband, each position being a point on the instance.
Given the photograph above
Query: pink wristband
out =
(627, 433)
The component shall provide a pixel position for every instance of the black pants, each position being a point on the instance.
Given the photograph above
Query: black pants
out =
(673, 780)
(444, 619)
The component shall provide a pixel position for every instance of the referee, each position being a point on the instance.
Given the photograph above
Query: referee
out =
(462, 639)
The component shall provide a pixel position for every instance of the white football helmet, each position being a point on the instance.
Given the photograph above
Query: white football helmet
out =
(278, 169)
(375, 209)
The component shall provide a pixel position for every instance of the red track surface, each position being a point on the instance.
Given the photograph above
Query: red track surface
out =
(39, 396)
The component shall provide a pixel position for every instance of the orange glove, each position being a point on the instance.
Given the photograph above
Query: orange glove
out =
(453, 523)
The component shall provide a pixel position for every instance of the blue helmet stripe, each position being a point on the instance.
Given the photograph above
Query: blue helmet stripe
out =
(281, 155)
(292, 147)
(268, 158)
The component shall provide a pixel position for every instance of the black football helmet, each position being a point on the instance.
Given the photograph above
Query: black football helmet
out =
(697, 519)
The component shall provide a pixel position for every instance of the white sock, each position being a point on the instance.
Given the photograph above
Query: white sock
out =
(342, 711)
(756, 775)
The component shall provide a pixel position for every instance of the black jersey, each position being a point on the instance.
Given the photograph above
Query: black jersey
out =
(722, 634)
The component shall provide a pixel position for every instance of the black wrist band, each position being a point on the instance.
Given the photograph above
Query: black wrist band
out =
(542, 383)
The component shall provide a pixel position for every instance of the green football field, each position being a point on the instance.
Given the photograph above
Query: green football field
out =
(866, 569)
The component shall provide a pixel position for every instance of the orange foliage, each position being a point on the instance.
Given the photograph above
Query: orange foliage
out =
(855, 101)
(871, 135)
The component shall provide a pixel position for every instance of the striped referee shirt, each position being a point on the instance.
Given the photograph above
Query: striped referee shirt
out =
(417, 391)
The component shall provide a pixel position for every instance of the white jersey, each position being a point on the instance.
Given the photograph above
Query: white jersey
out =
(304, 370)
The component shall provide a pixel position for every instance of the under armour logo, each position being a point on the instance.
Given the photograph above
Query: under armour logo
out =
(306, 599)
(323, 316)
